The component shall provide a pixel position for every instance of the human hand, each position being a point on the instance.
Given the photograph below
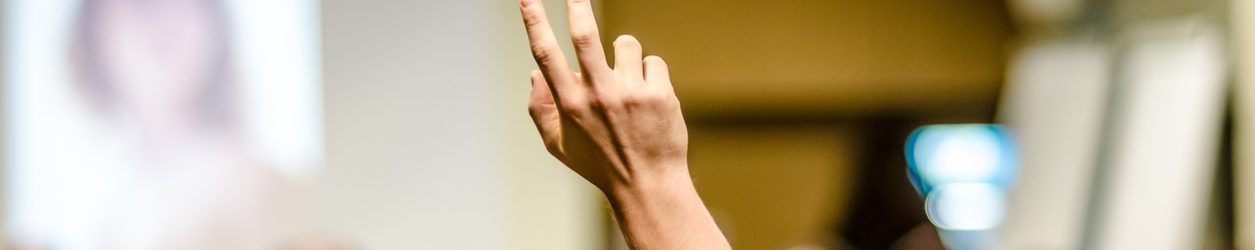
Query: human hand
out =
(620, 128)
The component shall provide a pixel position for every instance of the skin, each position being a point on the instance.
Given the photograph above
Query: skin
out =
(620, 128)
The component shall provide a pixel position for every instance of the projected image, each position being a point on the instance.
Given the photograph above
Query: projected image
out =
(176, 124)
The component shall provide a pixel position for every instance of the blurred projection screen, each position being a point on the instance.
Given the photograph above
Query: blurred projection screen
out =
(145, 124)
(1163, 152)
(1054, 102)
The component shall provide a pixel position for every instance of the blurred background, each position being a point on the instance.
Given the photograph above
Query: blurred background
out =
(387, 124)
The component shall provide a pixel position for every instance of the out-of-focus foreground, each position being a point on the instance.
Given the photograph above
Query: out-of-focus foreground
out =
(390, 124)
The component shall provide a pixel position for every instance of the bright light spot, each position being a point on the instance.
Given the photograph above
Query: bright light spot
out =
(966, 206)
(957, 153)
(963, 156)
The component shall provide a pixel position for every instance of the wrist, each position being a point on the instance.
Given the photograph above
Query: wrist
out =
(665, 212)
(670, 181)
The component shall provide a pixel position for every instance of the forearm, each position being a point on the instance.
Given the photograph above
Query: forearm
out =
(665, 212)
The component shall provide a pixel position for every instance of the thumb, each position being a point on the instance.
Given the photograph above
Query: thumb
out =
(545, 114)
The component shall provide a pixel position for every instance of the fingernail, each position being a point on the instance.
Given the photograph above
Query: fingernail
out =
(527, 2)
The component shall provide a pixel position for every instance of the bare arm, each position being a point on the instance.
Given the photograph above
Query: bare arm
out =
(620, 128)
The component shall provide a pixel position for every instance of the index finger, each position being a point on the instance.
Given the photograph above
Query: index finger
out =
(545, 49)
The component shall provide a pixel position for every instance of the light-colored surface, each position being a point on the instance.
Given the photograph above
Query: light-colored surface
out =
(279, 41)
(774, 187)
(86, 201)
(1243, 31)
(1054, 105)
(1167, 128)
(1045, 13)
(550, 206)
(4, 126)
(843, 58)
(428, 142)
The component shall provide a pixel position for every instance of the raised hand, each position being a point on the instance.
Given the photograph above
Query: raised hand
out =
(620, 128)
(614, 127)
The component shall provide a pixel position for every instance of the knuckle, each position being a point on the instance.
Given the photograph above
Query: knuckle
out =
(608, 101)
(663, 98)
(542, 53)
(573, 106)
(531, 19)
(611, 97)
(645, 98)
(584, 38)
(533, 110)
(636, 100)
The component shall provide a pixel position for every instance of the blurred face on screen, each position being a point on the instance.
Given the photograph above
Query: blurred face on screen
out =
(156, 54)
(159, 67)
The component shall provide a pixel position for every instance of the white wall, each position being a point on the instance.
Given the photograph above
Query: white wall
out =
(1243, 28)
(428, 142)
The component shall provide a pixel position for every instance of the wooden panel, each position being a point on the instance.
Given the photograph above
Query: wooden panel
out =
(773, 187)
(823, 56)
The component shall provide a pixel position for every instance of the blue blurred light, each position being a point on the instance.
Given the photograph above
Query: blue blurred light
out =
(960, 153)
(966, 206)
(963, 172)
